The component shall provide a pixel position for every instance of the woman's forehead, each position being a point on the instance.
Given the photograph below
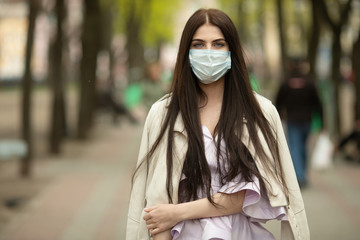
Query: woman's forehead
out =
(208, 31)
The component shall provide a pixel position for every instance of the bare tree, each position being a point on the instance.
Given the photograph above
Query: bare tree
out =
(336, 29)
(134, 43)
(90, 48)
(356, 69)
(58, 120)
(314, 36)
(107, 18)
(25, 169)
(283, 47)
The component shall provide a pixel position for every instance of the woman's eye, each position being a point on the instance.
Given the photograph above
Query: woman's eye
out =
(197, 45)
(219, 45)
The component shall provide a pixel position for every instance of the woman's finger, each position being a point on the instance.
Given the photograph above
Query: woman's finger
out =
(155, 231)
(148, 222)
(151, 226)
(147, 216)
(149, 209)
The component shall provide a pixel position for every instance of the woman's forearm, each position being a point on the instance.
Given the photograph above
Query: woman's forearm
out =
(227, 204)
(166, 235)
(162, 217)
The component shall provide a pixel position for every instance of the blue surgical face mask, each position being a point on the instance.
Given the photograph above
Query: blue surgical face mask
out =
(209, 65)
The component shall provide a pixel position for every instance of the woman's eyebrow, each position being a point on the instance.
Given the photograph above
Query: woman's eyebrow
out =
(220, 39)
(201, 40)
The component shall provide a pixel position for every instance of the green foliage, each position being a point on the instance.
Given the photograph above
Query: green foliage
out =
(248, 16)
(233, 8)
(159, 26)
(155, 17)
(247, 10)
(106, 3)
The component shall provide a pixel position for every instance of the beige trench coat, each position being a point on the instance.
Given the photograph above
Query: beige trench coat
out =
(149, 190)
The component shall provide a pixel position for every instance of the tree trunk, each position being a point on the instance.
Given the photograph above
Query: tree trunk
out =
(106, 38)
(241, 22)
(134, 45)
(266, 67)
(58, 121)
(336, 28)
(26, 163)
(90, 48)
(106, 27)
(279, 4)
(314, 38)
(336, 75)
(356, 72)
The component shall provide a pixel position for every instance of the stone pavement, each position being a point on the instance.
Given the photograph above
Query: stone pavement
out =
(87, 194)
(333, 202)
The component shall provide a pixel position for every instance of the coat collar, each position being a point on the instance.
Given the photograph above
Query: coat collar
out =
(179, 124)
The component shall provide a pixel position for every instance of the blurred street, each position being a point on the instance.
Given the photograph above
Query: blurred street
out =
(86, 194)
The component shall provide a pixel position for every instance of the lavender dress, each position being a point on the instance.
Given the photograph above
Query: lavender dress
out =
(245, 225)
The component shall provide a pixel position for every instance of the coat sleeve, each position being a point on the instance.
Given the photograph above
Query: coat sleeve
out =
(137, 196)
(297, 226)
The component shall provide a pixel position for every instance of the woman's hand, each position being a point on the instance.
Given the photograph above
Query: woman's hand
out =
(161, 217)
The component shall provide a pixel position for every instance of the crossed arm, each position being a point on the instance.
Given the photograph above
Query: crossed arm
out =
(161, 218)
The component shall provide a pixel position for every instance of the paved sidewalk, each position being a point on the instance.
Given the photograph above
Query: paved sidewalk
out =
(87, 196)
(333, 202)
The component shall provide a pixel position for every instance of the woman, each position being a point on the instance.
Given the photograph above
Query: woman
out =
(213, 161)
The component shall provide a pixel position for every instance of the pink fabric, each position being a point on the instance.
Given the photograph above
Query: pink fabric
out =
(245, 225)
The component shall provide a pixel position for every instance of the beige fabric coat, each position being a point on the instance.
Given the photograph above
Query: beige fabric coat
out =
(149, 190)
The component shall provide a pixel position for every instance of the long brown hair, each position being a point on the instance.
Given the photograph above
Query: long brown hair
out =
(239, 103)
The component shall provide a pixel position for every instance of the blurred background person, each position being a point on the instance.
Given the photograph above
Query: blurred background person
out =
(254, 81)
(349, 145)
(106, 99)
(152, 84)
(140, 95)
(297, 102)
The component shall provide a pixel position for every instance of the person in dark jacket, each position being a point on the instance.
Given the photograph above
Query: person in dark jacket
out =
(297, 101)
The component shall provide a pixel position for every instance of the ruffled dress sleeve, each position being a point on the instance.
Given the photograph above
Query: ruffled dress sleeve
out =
(244, 225)
(256, 204)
